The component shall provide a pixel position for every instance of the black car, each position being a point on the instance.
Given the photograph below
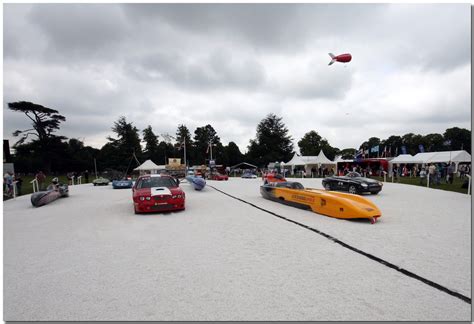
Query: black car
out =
(354, 183)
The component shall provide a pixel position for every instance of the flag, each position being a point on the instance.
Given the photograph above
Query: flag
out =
(396, 151)
(404, 149)
(207, 150)
(447, 142)
(374, 149)
(422, 148)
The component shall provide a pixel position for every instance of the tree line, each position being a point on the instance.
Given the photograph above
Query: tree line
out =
(39, 148)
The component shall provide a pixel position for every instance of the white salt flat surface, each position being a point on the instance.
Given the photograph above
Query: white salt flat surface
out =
(88, 257)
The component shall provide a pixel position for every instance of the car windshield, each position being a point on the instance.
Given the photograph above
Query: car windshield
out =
(150, 182)
(353, 174)
(290, 185)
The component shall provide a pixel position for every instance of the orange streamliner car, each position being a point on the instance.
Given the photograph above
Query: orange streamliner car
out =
(329, 203)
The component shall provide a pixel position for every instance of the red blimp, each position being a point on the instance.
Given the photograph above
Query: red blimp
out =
(343, 58)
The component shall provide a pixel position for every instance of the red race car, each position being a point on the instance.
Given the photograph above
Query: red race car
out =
(156, 193)
(273, 177)
(218, 176)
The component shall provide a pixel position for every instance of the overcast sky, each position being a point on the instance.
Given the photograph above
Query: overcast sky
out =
(231, 65)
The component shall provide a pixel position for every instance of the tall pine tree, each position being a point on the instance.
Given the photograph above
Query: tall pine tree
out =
(272, 143)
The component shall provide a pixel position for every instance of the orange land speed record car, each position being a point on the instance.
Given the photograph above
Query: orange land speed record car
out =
(156, 193)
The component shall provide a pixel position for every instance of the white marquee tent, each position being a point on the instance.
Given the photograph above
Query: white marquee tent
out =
(309, 162)
(149, 167)
(405, 158)
(434, 157)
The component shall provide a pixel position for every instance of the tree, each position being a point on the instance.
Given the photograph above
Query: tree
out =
(272, 142)
(458, 139)
(151, 144)
(348, 153)
(120, 151)
(203, 137)
(372, 143)
(184, 136)
(45, 121)
(393, 144)
(433, 142)
(312, 143)
(166, 151)
(232, 155)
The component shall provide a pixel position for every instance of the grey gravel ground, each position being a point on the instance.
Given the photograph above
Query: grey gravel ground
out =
(89, 258)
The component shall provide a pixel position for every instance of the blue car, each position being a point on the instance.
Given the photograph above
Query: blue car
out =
(122, 184)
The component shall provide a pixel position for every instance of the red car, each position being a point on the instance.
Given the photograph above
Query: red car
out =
(218, 176)
(156, 193)
(273, 177)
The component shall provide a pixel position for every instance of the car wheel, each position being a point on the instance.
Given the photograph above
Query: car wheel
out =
(327, 186)
(352, 189)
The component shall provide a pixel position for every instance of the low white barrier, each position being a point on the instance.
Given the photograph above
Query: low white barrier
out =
(469, 184)
(35, 184)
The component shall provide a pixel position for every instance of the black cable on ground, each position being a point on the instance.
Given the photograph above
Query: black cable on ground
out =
(368, 255)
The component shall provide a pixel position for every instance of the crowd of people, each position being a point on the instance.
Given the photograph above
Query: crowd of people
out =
(435, 173)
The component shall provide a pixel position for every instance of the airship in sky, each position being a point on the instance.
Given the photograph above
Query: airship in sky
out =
(343, 58)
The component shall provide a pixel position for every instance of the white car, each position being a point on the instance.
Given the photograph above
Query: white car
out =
(249, 175)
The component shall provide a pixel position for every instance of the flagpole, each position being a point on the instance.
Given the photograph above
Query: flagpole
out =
(210, 147)
(185, 162)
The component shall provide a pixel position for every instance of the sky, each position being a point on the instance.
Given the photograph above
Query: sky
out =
(230, 65)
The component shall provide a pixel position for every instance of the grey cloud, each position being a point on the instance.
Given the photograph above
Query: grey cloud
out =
(231, 64)
(277, 26)
(220, 69)
(77, 29)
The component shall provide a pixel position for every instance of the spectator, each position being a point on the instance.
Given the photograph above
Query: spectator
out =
(40, 177)
(5, 177)
(9, 184)
(395, 173)
(54, 184)
(69, 176)
(461, 171)
(422, 176)
(404, 171)
(431, 172)
(450, 176)
(437, 174)
(19, 182)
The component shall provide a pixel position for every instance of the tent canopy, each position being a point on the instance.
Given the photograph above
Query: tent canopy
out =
(148, 165)
(244, 163)
(450, 156)
(405, 158)
(434, 157)
(310, 160)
